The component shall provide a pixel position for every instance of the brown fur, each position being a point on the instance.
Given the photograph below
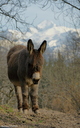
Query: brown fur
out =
(23, 62)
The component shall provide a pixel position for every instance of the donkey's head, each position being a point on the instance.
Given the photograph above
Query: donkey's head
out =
(35, 60)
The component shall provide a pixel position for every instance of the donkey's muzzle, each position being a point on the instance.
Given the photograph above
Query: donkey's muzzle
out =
(36, 77)
(35, 81)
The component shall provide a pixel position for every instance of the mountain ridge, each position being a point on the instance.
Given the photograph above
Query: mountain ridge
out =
(58, 37)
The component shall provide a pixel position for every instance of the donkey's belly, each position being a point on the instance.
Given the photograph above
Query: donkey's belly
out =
(27, 82)
(16, 83)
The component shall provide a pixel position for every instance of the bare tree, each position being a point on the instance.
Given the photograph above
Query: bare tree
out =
(69, 9)
(13, 13)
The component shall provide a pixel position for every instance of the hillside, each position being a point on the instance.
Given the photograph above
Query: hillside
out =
(59, 87)
(10, 118)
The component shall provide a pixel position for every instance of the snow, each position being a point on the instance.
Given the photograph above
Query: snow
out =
(33, 30)
(45, 25)
(57, 37)
(52, 43)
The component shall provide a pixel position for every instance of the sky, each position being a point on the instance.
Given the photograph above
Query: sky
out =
(35, 14)
(61, 17)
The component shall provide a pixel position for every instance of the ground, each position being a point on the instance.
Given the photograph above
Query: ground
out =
(10, 118)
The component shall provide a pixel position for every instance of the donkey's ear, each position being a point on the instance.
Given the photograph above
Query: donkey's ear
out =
(30, 46)
(42, 48)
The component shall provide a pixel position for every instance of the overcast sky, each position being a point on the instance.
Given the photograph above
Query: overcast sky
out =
(37, 14)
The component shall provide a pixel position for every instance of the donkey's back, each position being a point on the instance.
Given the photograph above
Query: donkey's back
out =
(15, 49)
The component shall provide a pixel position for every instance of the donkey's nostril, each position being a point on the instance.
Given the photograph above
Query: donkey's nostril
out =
(35, 81)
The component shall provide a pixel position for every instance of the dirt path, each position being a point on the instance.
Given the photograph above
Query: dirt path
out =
(47, 119)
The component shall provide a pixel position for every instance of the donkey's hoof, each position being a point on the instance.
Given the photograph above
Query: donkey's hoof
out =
(37, 112)
(25, 111)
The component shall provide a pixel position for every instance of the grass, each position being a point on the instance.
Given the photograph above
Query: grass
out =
(40, 121)
(6, 108)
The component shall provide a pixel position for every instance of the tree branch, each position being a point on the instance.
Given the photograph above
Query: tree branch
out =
(71, 4)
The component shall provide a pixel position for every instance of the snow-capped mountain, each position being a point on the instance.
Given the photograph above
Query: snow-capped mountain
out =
(58, 37)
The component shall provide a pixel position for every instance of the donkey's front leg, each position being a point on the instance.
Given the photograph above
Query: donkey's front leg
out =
(34, 98)
(25, 94)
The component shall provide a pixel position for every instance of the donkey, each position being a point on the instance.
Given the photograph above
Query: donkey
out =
(24, 71)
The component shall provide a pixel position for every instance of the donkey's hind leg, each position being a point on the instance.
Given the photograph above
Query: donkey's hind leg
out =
(18, 92)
